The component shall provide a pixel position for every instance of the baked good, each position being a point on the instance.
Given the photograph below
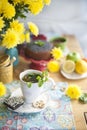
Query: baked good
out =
(14, 102)
(39, 104)
(38, 50)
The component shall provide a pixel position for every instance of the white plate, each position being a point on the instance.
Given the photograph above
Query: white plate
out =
(74, 75)
(28, 108)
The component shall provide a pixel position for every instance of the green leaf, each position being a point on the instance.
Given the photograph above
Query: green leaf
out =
(29, 84)
(40, 43)
(40, 83)
(40, 78)
(83, 98)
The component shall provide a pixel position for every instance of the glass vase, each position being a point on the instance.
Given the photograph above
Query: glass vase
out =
(13, 52)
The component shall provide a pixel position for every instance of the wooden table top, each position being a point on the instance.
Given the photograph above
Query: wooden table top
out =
(78, 108)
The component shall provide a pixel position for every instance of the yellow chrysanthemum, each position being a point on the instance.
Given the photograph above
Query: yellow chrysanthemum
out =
(56, 53)
(16, 2)
(2, 89)
(8, 11)
(27, 37)
(10, 39)
(36, 6)
(26, 2)
(3, 3)
(21, 38)
(73, 91)
(33, 28)
(47, 2)
(17, 26)
(1, 23)
(0, 7)
(53, 66)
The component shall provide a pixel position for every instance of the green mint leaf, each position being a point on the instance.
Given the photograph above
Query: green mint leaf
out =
(40, 83)
(29, 84)
(40, 43)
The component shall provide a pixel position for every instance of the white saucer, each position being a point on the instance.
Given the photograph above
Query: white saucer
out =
(28, 108)
(74, 75)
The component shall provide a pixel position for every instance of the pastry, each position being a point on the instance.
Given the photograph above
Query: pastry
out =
(14, 102)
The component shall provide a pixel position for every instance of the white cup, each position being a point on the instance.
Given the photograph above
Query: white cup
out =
(30, 94)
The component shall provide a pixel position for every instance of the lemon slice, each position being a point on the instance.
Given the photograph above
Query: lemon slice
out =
(68, 66)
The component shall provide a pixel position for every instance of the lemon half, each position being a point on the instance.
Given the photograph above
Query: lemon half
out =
(81, 67)
(68, 66)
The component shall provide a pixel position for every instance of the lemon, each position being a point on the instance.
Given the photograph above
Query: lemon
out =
(68, 66)
(53, 66)
(81, 67)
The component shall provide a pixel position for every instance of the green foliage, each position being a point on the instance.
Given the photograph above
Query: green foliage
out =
(39, 42)
(83, 98)
(21, 9)
(29, 84)
(43, 77)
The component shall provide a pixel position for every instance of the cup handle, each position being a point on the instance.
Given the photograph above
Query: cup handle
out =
(53, 83)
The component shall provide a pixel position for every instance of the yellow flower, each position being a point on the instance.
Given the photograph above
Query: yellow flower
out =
(36, 6)
(53, 66)
(8, 11)
(10, 39)
(2, 89)
(21, 38)
(0, 7)
(12, 31)
(26, 2)
(1, 23)
(16, 2)
(47, 2)
(17, 26)
(27, 37)
(33, 28)
(3, 3)
(73, 91)
(56, 53)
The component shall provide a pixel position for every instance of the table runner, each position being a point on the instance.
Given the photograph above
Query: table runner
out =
(57, 116)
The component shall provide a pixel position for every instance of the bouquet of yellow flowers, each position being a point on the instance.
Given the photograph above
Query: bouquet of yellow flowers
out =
(12, 31)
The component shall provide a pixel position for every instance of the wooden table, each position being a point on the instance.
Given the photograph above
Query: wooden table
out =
(78, 108)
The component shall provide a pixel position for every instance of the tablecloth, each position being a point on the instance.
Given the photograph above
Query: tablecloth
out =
(56, 116)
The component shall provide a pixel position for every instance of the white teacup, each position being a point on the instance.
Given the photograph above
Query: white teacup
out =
(30, 94)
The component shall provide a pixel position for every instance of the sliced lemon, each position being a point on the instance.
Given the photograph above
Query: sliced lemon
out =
(68, 66)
